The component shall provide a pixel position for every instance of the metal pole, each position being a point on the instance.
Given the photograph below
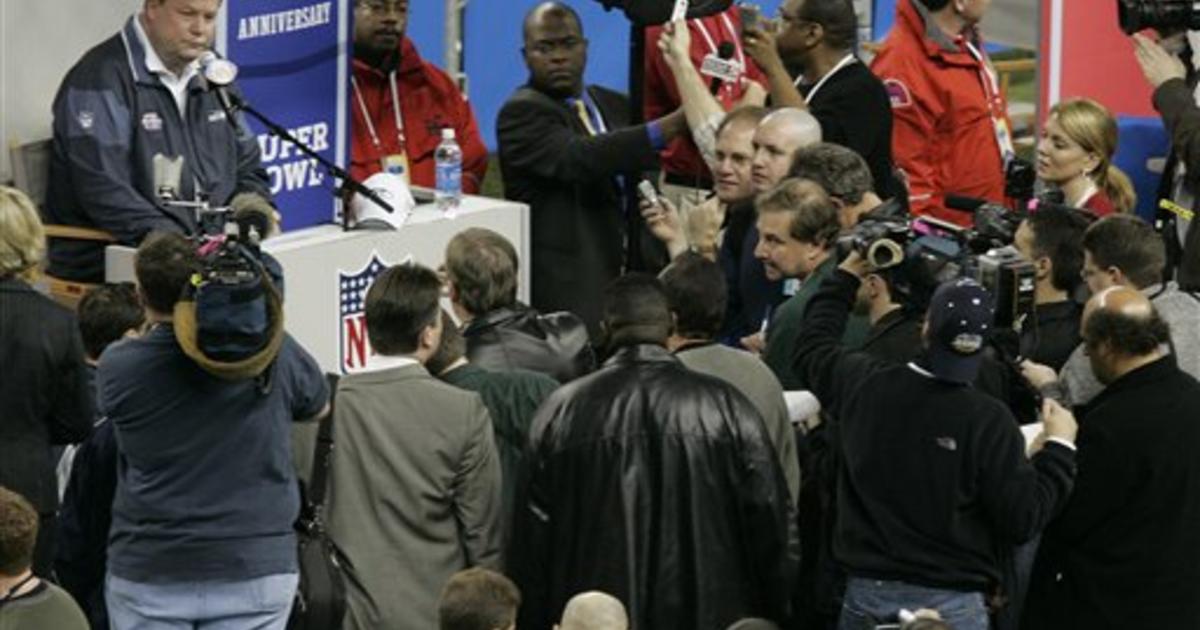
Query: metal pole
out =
(453, 41)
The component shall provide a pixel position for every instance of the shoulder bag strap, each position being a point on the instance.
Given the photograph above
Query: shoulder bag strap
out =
(323, 449)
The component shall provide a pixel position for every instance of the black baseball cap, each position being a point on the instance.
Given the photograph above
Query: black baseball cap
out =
(961, 315)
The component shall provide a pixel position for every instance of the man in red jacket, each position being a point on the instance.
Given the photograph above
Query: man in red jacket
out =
(400, 103)
(950, 133)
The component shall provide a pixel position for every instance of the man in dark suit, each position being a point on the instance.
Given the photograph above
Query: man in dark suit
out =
(1125, 552)
(568, 151)
(809, 62)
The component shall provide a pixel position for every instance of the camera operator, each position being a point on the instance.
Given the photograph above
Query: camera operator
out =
(1177, 99)
(1122, 250)
(1052, 240)
(933, 478)
(206, 494)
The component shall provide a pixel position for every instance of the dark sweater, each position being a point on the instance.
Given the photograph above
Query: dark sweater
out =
(1052, 333)
(511, 398)
(933, 476)
(1125, 552)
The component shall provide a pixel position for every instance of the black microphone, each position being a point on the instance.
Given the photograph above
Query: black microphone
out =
(724, 52)
(219, 74)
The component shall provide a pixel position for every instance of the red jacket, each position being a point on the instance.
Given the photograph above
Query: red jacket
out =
(943, 135)
(660, 97)
(429, 101)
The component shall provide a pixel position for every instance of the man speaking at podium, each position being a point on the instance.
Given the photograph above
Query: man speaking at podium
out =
(133, 109)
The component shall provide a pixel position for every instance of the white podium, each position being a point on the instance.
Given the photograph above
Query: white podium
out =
(327, 271)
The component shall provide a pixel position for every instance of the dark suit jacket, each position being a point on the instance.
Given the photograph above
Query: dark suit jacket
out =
(578, 224)
(44, 393)
(1125, 552)
(854, 111)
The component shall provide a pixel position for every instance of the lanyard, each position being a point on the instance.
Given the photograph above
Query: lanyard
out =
(847, 60)
(712, 44)
(991, 91)
(17, 587)
(366, 114)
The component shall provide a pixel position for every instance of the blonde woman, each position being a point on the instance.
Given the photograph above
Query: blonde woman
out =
(45, 395)
(1075, 155)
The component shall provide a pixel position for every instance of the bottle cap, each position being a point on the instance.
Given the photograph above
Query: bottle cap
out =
(447, 133)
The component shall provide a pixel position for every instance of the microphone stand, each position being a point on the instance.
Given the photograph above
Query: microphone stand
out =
(236, 104)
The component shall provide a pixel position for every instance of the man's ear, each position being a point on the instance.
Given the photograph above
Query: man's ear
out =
(1118, 276)
(818, 34)
(1044, 265)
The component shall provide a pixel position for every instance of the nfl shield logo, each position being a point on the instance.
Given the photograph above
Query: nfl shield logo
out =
(354, 349)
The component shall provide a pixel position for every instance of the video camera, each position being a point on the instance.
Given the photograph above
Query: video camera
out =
(230, 317)
(922, 253)
(1164, 16)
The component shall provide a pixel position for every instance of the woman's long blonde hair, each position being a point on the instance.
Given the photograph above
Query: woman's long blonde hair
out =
(22, 237)
(1090, 125)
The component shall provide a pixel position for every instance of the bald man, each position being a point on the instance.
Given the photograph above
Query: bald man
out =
(752, 294)
(594, 610)
(1125, 552)
(569, 151)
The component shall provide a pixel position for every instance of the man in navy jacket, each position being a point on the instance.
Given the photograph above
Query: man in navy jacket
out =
(134, 97)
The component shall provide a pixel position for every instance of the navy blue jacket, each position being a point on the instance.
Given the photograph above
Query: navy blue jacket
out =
(111, 117)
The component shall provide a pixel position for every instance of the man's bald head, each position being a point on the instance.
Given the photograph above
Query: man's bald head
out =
(776, 140)
(1122, 331)
(549, 11)
(594, 610)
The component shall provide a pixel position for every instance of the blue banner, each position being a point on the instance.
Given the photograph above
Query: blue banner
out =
(293, 68)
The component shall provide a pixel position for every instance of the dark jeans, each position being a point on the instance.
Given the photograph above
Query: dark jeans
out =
(869, 603)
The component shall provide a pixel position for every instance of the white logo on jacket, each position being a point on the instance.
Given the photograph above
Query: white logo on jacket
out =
(151, 121)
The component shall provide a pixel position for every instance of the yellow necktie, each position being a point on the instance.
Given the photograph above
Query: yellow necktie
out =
(581, 110)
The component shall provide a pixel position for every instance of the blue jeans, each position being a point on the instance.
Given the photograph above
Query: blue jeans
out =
(872, 602)
(257, 604)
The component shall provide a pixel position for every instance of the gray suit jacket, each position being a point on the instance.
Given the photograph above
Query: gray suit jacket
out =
(414, 493)
(757, 382)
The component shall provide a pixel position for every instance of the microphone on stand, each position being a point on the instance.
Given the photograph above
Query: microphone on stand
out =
(724, 52)
(219, 74)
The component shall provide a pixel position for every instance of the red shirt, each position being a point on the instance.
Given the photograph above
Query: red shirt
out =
(429, 102)
(660, 97)
(943, 133)
(1100, 205)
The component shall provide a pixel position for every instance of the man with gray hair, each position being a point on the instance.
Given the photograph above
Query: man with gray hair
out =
(594, 610)
(843, 174)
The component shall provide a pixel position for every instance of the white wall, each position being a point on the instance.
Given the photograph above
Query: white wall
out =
(39, 41)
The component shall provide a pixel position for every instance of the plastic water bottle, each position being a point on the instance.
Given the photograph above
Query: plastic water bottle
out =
(448, 158)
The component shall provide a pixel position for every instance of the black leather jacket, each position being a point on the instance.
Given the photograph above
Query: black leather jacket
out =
(555, 344)
(660, 486)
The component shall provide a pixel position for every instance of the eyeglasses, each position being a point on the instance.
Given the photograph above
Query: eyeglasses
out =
(382, 7)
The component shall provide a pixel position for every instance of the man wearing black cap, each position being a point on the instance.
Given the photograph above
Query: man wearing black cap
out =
(933, 477)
